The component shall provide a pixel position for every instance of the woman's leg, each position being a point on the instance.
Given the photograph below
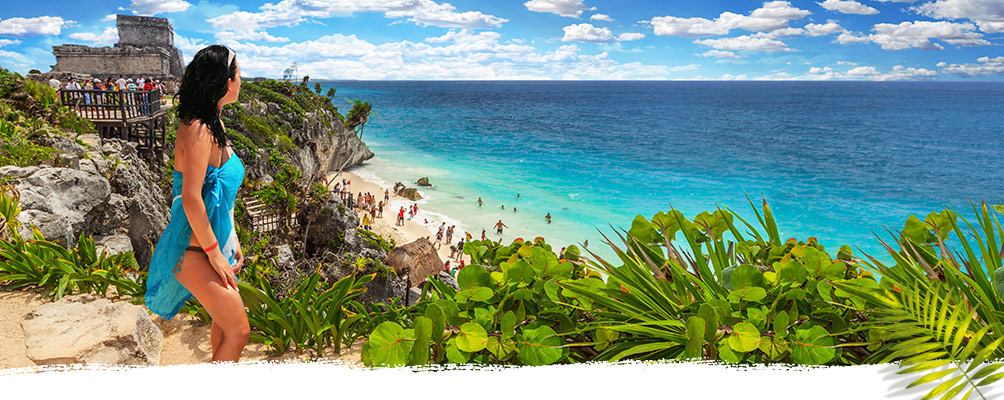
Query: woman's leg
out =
(224, 306)
(215, 336)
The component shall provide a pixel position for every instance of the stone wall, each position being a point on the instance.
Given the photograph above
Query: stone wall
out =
(144, 31)
(104, 62)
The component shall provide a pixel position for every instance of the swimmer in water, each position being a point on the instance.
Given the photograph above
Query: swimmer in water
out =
(480, 203)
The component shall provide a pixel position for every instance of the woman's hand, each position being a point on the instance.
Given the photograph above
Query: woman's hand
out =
(239, 258)
(223, 267)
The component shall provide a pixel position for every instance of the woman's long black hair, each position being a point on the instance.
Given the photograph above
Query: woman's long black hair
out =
(202, 87)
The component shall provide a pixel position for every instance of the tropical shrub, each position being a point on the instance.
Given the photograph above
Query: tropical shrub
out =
(512, 312)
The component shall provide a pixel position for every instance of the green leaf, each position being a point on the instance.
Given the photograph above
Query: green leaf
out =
(748, 294)
(438, 318)
(473, 276)
(472, 337)
(746, 276)
(454, 354)
(477, 293)
(420, 349)
(781, 325)
(508, 324)
(390, 344)
(745, 337)
(774, 348)
(710, 316)
(695, 338)
(539, 346)
(812, 346)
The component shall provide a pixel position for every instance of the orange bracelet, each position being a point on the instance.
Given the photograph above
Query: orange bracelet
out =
(210, 248)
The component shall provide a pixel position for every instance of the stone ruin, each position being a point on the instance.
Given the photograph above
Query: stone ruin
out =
(145, 47)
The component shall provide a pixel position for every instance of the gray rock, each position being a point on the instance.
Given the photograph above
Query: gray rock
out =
(449, 280)
(52, 226)
(15, 172)
(283, 255)
(423, 182)
(114, 244)
(82, 329)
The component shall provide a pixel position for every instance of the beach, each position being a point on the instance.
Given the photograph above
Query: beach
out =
(414, 228)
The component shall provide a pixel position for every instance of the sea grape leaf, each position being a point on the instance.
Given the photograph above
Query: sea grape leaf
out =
(812, 346)
(774, 348)
(792, 272)
(390, 344)
(758, 317)
(438, 318)
(508, 324)
(695, 338)
(572, 253)
(606, 337)
(714, 224)
(454, 354)
(915, 230)
(473, 276)
(420, 348)
(502, 349)
(643, 230)
(551, 289)
(539, 346)
(725, 353)
(476, 293)
(746, 276)
(780, 325)
(751, 294)
(485, 316)
(519, 273)
(472, 337)
(942, 222)
(824, 289)
(670, 222)
(710, 317)
(745, 337)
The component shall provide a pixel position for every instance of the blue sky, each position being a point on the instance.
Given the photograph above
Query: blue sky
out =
(549, 39)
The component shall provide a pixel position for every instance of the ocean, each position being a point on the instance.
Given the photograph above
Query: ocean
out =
(841, 161)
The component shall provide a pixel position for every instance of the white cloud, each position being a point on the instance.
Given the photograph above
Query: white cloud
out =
(458, 54)
(771, 16)
(987, 14)
(829, 28)
(898, 72)
(108, 18)
(255, 36)
(984, 66)
(629, 36)
(587, 33)
(847, 63)
(918, 34)
(746, 43)
(18, 26)
(8, 42)
(688, 67)
(564, 8)
(419, 12)
(601, 17)
(848, 7)
(718, 54)
(154, 7)
(108, 36)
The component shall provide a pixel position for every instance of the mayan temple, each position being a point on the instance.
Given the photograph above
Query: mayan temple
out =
(145, 47)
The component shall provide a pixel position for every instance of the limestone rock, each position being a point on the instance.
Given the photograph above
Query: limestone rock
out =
(82, 329)
(411, 194)
(114, 244)
(283, 255)
(424, 181)
(71, 196)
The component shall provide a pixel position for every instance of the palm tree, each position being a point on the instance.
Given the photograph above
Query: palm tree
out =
(358, 115)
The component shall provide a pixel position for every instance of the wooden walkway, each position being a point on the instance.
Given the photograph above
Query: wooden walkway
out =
(135, 116)
(264, 218)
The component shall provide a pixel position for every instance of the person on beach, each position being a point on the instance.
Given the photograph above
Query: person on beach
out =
(447, 266)
(439, 240)
(460, 250)
(503, 206)
(561, 254)
(468, 236)
(380, 210)
(199, 253)
(449, 234)
(514, 209)
(586, 243)
(386, 196)
(498, 227)
(547, 218)
(366, 221)
(483, 232)
(453, 251)
(480, 203)
(400, 217)
(517, 195)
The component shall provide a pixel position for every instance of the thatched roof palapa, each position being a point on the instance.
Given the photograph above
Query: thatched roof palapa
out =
(418, 258)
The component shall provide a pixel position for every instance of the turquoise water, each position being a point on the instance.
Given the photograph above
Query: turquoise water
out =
(836, 160)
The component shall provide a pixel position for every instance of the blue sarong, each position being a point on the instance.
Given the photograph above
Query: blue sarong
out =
(164, 294)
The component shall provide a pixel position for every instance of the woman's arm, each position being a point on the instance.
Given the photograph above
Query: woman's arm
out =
(197, 143)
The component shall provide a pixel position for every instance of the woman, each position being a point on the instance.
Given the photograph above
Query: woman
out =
(199, 254)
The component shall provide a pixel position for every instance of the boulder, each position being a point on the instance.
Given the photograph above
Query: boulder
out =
(449, 280)
(411, 194)
(283, 255)
(423, 182)
(82, 329)
(138, 195)
(61, 197)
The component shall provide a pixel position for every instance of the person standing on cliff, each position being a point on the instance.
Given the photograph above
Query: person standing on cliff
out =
(120, 83)
(199, 253)
(54, 83)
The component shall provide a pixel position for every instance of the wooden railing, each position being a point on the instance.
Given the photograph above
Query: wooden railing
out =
(264, 218)
(106, 105)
